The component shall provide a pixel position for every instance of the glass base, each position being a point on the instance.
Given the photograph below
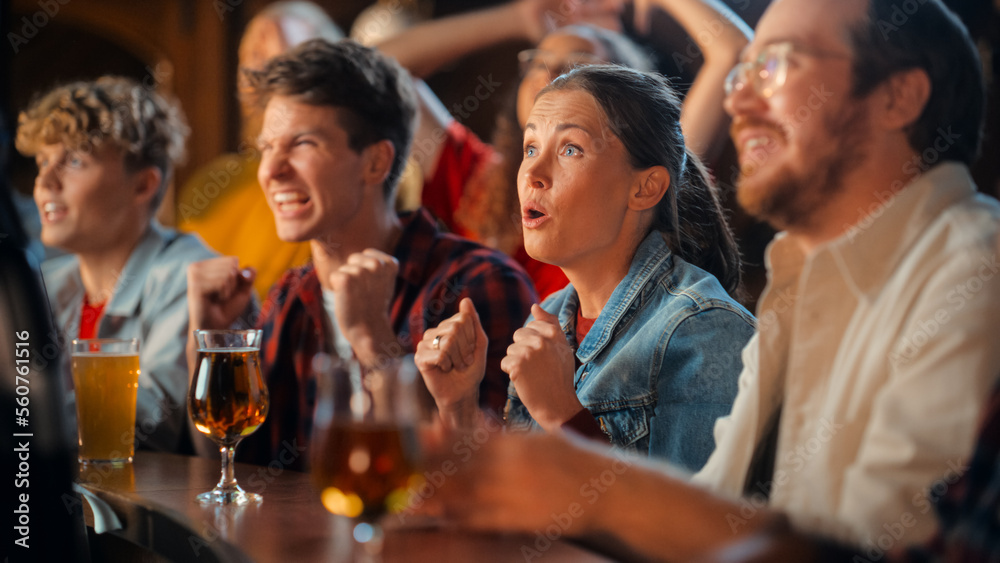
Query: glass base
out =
(228, 496)
(115, 462)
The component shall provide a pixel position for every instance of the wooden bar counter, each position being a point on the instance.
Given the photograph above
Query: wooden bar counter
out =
(155, 501)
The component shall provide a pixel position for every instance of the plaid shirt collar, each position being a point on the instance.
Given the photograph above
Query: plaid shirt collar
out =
(414, 248)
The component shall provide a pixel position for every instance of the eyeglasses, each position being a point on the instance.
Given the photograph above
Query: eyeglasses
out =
(537, 59)
(769, 71)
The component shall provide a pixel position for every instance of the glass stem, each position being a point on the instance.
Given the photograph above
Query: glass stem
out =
(228, 480)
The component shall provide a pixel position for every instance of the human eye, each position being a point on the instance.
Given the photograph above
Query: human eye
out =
(572, 150)
(74, 160)
(304, 142)
(530, 150)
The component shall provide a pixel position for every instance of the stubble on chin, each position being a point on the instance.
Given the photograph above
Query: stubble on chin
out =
(788, 199)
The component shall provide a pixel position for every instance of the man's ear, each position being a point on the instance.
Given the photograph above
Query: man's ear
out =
(147, 183)
(904, 96)
(378, 161)
(650, 187)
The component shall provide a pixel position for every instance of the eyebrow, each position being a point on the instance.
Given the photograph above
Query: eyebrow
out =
(314, 132)
(562, 127)
(775, 41)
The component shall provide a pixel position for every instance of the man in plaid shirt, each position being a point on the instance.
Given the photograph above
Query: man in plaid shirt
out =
(338, 122)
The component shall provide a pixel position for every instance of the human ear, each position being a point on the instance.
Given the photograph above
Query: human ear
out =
(903, 97)
(378, 159)
(147, 183)
(650, 187)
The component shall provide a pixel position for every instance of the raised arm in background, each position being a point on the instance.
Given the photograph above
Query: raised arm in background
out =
(720, 35)
(715, 29)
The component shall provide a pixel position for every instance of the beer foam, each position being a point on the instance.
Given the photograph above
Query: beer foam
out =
(105, 355)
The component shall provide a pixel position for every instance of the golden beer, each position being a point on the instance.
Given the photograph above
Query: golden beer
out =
(227, 399)
(106, 385)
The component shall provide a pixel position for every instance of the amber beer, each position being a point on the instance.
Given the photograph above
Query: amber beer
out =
(228, 399)
(363, 470)
(106, 380)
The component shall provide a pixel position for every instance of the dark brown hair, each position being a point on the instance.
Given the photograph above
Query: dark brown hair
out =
(643, 111)
(931, 38)
(373, 94)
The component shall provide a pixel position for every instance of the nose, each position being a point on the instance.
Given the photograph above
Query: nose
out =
(536, 172)
(47, 178)
(742, 98)
(274, 166)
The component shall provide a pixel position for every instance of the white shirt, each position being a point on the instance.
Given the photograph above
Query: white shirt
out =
(882, 345)
(340, 343)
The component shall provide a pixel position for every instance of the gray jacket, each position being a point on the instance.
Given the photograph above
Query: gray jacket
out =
(149, 303)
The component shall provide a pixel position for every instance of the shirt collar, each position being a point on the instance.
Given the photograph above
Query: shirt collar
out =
(869, 251)
(127, 294)
(415, 244)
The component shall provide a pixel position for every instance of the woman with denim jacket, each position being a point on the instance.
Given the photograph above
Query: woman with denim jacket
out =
(642, 349)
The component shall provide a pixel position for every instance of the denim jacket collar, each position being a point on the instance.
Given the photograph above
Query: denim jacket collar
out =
(648, 260)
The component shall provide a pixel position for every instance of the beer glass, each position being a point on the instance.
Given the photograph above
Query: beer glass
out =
(365, 454)
(105, 378)
(227, 400)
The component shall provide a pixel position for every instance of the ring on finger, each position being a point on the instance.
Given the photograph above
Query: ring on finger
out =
(436, 343)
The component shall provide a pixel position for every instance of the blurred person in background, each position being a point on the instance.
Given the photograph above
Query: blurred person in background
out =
(106, 151)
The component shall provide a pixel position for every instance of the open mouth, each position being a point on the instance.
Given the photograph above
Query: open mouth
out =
(532, 215)
(290, 201)
(53, 212)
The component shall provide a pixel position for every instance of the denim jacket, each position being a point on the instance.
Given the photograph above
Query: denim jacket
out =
(661, 362)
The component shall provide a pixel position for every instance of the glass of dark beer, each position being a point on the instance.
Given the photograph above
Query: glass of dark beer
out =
(227, 401)
(365, 454)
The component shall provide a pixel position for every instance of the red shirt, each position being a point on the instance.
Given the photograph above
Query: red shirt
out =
(464, 160)
(583, 422)
(583, 325)
(89, 317)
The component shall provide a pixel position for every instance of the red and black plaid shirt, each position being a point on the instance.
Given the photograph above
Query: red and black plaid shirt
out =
(436, 271)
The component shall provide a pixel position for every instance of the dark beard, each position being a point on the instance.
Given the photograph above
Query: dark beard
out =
(793, 200)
